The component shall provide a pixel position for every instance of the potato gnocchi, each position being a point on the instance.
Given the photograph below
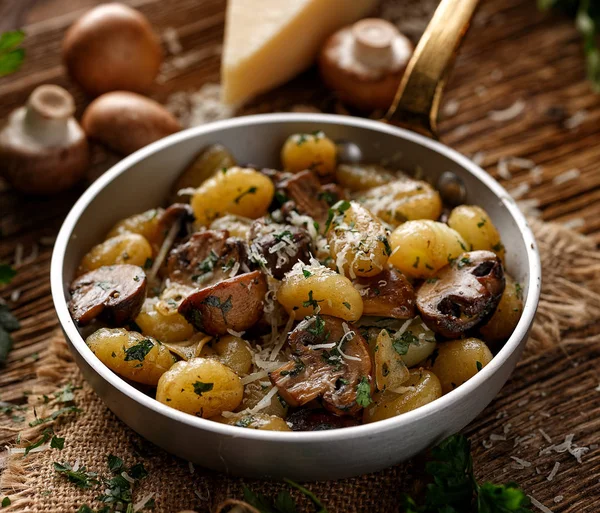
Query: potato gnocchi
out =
(321, 296)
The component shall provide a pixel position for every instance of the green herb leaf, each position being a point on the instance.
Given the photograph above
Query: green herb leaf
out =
(138, 471)
(55, 415)
(200, 388)
(7, 273)
(57, 443)
(139, 351)
(115, 464)
(5, 502)
(363, 392)
(251, 190)
(306, 273)
(11, 57)
(80, 477)
(493, 498)
(401, 343)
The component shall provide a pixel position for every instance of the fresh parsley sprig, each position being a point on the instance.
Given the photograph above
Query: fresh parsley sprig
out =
(11, 57)
(587, 21)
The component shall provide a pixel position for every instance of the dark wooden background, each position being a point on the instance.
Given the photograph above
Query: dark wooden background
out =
(512, 54)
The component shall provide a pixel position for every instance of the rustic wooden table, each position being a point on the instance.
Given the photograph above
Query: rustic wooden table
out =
(514, 57)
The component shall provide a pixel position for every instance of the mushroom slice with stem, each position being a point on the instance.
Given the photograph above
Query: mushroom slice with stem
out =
(43, 150)
(234, 304)
(463, 294)
(113, 293)
(388, 294)
(205, 258)
(305, 191)
(330, 360)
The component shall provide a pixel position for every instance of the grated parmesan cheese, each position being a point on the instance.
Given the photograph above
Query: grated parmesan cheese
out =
(348, 334)
(576, 119)
(567, 176)
(164, 250)
(520, 463)
(139, 505)
(550, 476)
(238, 334)
(539, 505)
(187, 191)
(254, 376)
(576, 222)
(264, 402)
(507, 114)
(519, 191)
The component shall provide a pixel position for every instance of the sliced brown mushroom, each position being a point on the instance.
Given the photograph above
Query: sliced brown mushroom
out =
(305, 190)
(205, 258)
(176, 213)
(279, 246)
(462, 294)
(332, 193)
(234, 304)
(335, 374)
(113, 293)
(389, 294)
(307, 419)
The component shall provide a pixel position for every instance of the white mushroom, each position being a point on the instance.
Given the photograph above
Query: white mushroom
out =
(43, 150)
(364, 63)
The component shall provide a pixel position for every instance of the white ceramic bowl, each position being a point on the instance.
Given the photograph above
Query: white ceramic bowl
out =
(142, 181)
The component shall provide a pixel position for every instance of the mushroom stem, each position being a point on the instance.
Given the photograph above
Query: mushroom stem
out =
(47, 113)
(373, 42)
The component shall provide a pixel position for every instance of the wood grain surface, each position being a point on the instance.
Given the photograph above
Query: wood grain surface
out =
(512, 55)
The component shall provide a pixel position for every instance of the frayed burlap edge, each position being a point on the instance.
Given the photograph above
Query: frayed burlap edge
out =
(571, 275)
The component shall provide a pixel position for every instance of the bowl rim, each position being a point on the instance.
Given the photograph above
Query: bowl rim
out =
(334, 435)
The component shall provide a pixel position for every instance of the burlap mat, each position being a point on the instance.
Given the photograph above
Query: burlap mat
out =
(569, 302)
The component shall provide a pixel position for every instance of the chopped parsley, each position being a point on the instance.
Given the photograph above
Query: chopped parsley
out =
(279, 236)
(11, 56)
(47, 434)
(363, 392)
(251, 190)
(5, 502)
(215, 302)
(402, 343)
(148, 263)
(115, 464)
(200, 387)
(347, 305)
(498, 247)
(518, 290)
(416, 264)
(311, 302)
(306, 273)
(481, 223)
(298, 368)
(327, 197)
(139, 351)
(80, 477)
(208, 264)
(8, 324)
(317, 327)
(340, 207)
(387, 249)
(433, 279)
(462, 262)
(479, 365)
(244, 421)
(7, 273)
(54, 415)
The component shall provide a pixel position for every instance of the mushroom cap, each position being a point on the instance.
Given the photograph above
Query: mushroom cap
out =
(43, 150)
(112, 47)
(126, 122)
(364, 63)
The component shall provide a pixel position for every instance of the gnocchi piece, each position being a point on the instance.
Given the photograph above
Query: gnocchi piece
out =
(166, 328)
(476, 228)
(309, 151)
(237, 226)
(306, 288)
(235, 353)
(239, 191)
(507, 314)
(146, 224)
(255, 421)
(128, 248)
(357, 240)
(130, 354)
(360, 177)
(422, 387)
(421, 248)
(202, 386)
(403, 200)
(390, 369)
(457, 361)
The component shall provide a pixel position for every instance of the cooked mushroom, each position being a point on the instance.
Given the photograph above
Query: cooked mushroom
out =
(206, 258)
(305, 191)
(388, 294)
(180, 213)
(462, 294)
(126, 122)
(279, 246)
(234, 304)
(332, 193)
(318, 420)
(112, 47)
(113, 293)
(337, 369)
(43, 150)
(364, 63)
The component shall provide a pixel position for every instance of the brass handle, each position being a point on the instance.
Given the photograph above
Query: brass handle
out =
(418, 98)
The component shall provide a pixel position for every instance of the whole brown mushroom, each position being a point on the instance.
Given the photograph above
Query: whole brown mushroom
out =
(126, 122)
(43, 150)
(112, 47)
(364, 63)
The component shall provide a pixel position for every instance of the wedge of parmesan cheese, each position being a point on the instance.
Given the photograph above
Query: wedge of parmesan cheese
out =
(267, 42)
